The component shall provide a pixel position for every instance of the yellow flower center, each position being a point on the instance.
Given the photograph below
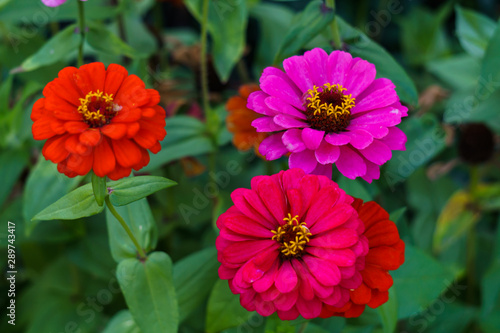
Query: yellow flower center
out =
(98, 108)
(328, 108)
(293, 236)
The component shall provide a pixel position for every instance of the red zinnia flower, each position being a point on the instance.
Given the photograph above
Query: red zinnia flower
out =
(386, 253)
(291, 244)
(100, 120)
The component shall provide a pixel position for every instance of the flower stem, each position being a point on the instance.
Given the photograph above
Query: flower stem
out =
(81, 23)
(474, 180)
(203, 58)
(334, 26)
(120, 219)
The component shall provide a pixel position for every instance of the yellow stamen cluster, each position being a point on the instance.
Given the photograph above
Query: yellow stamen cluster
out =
(293, 236)
(319, 106)
(101, 115)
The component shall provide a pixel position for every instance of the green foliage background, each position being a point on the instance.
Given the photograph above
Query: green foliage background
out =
(74, 275)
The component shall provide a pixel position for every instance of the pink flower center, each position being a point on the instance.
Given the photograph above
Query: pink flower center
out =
(293, 237)
(97, 108)
(328, 108)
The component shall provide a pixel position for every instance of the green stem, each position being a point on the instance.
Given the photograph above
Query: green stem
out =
(474, 180)
(203, 59)
(303, 327)
(120, 219)
(337, 41)
(81, 22)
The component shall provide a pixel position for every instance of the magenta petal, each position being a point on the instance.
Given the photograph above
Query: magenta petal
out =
(282, 87)
(338, 238)
(323, 170)
(333, 218)
(342, 257)
(240, 252)
(338, 66)
(291, 314)
(372, 172)
(289, 122)
(359, 77)
(266, 124)
(377, 131)
(262, 307)
(377, 152)
(312, 138)
(285, 302)
(273, 198)
(379, 94)
(360, 139)
(292, 139)
(326, 273)
(309, 309)
(53, 3)
(291, 178)
(280, 106)
(317, 59)
(350, 164)
(270, 295)
(387, 116)
(256, 102)
(326, 153)
(267, 280)
(395, 139)
(353, 282)
(304, 160)
(246, 226)
(272, 147)
(305, 289)
(297, 69)
(287, 278)
(337, 139)
(334, 298)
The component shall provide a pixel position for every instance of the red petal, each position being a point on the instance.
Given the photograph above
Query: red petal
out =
(42, 128)
(378, 298)
(91, 137)
(97, 73)
(75, 126)
(361, 295)
(127, 153)
(38, 109)
(376, 278)
(386, 257)
(382, 233)
(115, 75)
(114, 131)
(54, 150)
(79, 164)
(104, 159)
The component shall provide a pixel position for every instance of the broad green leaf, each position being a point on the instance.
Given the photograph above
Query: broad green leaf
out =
(227, 23)
(122, 322)
(490, 68)
(388, 313)
(224, 309)
(306, 25)
(362, 46)
(448, 315)
(149, 292)
(396, 215)
(99, 188)
(12, 164)
(74, 205)
(5, 92)
(45, 186)
(473, 30)
(102, 39)
(354, 188)
(425, 139)
(419, 269)
(459, 72)
(140, 220)
(56, 49)
(127, 190)
(490, 283)
(194, 277)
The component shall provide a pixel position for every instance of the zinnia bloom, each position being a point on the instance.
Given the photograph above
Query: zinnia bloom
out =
(239, 120)
(291, 244)
(55, 3)
(386, 253)
(100, 120)
(327, 109)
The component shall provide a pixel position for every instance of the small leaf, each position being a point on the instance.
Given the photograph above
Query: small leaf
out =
(490, 68)
(102, 39)
(131, 189)
(74, 205)
(224, 309)
(56, 49)
(149, 292)
(122, 322)
(474, 30)
(306, 25)
(99, 188)
(140, 220)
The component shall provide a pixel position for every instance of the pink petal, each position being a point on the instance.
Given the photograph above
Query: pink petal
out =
(395, 139)
(287, 278)
(387, 116)
(327, 153)
(273, 199)
(317, 60)
(377, 131)
(350, 164)
(285, 302)
(272, 147)
(287, 121)
(337, 139)
(337, 67)
(267, 280)
(241, 252)
(334, 217)
(322, 201)
(379, 94)
(297, 69)
(282, 87)
(377, 152)
(353, 282)
(359, 77)
(312, 138)
(292, 139)
(305, 289)
(256, 102)
(338, 238)
(342, 258)
(281, 106)
(360, 139)
(309, 309)
(372, 171)
(326, 273)
(266, 124)
(291, 314)
(246, 226)
(323, 170)
(304, 160)
(262, 307)
(249, 203)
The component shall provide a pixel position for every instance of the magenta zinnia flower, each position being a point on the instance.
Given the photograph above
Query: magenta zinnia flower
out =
(327, 109)
(291, 244)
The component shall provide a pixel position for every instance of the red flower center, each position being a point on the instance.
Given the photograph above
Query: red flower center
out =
(98, 109)
(293, 237)
(328, 109)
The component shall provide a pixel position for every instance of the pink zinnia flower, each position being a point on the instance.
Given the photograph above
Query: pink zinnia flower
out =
(327, 109)
(291, 244)
(55, 3)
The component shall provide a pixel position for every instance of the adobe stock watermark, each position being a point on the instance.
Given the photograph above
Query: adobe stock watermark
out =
(424, 318)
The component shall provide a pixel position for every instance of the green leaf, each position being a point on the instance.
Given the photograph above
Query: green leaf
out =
(102, 39)
(397, 214)
(131, 189)
(420, 270)
(425, 140)
(57, 48)
(473, 30)
(459, 72)
(74, 205)
(12, 164)
(45, 185)
(388, 313)
(355, 188)
(122, 322)
(194, 277)
(490, 284)
(140, 220)
(99, 188)
(362, 46)
(227, 24)
(149, 292)
(490, 69)
(306, 25)
(224, 309)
